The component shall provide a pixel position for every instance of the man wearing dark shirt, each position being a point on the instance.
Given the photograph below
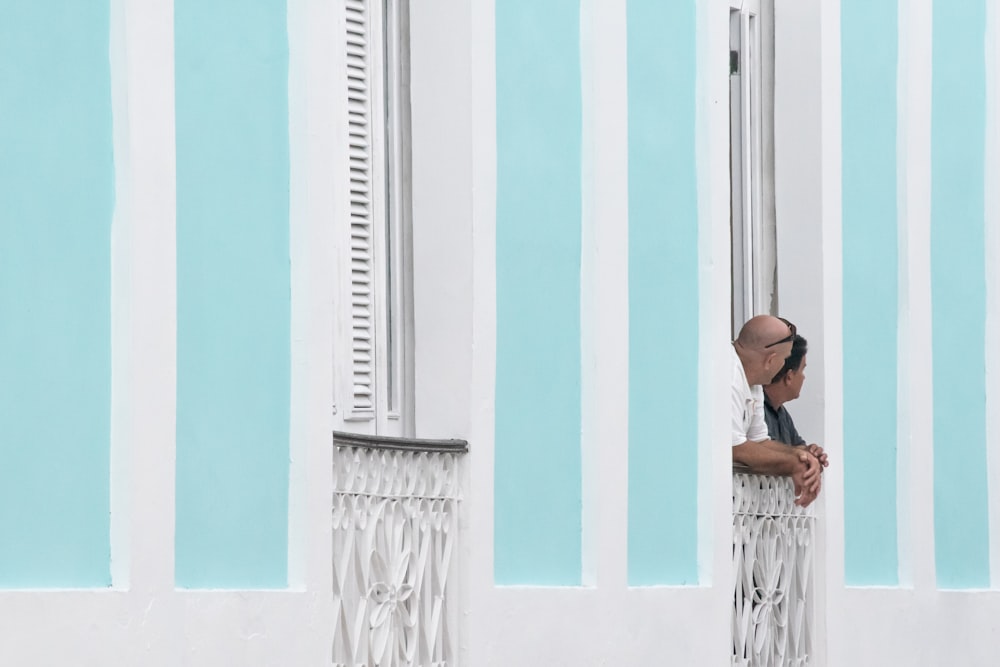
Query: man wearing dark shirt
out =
(780, 426)
(784, 387)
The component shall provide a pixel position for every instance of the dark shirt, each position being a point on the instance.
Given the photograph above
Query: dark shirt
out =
(780, 426)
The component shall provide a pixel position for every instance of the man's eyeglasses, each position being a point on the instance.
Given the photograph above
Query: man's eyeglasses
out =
(787, 339)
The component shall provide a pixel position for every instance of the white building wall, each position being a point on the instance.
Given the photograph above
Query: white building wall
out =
(143, 620)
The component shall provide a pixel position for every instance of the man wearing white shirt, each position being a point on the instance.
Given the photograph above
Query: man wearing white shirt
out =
(758, 354)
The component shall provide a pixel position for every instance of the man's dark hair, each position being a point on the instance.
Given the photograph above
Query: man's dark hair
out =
(794, 360)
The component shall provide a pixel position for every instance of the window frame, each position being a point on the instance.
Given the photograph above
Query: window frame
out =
(390, 267)
(753, 233)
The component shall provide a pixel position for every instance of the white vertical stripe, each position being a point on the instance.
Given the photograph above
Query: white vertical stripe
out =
(300, 407)
(443, 191)
(604, 284)
(915, 462)
(715, 486)
(830, 536)
(475, 563)
(152, 295)
(314, 59)
(120, 299)
(992, 232)
(312, 102)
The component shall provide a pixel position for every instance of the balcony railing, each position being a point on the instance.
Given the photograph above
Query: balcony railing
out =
(395, 533)
(772, 560)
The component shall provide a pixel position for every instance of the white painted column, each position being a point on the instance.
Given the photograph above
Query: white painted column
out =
(314, 101)
(604, 293)
(149, 222)
(299, 240)
(715, 463)
(120, 297)
(915, 468)
(830, 529)
(992, 225)
(442, 193)
(476, 511)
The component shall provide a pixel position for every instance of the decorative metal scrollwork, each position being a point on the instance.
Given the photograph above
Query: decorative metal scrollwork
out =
(394, 531)
(772, 563)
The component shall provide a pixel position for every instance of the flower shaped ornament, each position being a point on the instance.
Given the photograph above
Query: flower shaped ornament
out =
(392, 625)
(769, 615)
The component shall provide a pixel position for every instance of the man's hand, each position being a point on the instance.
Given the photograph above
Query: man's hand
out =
(819, 453)
(810, 468)
(806, 478)
(806, 498)
(768, 457)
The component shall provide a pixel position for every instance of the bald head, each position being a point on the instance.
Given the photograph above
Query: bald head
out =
(762, 330)
(763, 345)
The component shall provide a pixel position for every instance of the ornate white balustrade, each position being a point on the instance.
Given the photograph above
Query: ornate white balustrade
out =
(772, 559)
(395, 533)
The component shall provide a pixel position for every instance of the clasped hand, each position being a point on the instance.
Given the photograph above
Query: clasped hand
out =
(807, 475)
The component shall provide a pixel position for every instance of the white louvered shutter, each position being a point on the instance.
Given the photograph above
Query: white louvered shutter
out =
(362, 250)
(374, 376)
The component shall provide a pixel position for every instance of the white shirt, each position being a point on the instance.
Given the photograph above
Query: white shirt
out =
(748, 407)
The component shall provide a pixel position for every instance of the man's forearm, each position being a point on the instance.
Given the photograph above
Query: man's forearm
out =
(774, 458)
(767, 456)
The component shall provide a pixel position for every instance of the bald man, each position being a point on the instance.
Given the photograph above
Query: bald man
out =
(758, 354)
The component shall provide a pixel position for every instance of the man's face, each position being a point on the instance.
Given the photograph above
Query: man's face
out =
(795, 380)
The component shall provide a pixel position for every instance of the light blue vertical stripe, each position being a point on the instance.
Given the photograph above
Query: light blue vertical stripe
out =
(871, 266)
(56, 204)
(958, 293)
(663, 294)
(233, 293)
(539, 134)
